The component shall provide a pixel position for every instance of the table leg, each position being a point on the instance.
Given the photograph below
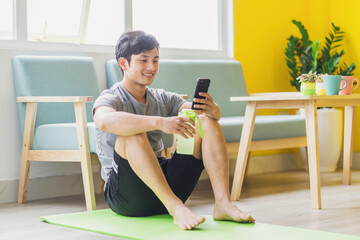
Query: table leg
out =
(243, 152)
(348, 143)
(313, 153)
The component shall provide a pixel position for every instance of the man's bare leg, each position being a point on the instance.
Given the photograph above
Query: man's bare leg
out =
(212, 149)
(137, 150)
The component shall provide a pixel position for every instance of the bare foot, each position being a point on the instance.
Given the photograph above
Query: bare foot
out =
(228, 211)
(186, 219)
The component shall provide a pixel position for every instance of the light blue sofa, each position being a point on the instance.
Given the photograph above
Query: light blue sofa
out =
(227, 80)
(55, 127)
(55, 95)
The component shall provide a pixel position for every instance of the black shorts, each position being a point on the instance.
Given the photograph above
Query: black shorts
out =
(128, 195)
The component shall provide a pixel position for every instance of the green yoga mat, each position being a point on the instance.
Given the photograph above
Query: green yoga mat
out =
(161, 227)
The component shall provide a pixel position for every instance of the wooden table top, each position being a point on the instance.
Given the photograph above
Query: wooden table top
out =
(288, 96)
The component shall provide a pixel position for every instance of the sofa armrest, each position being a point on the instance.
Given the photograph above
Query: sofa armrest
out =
(184, 96)
(73, 99)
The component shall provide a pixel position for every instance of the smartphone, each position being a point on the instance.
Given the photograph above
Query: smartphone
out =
(202, 85)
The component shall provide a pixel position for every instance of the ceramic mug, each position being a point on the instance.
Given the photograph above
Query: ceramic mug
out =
(349, 87)
(332, 84)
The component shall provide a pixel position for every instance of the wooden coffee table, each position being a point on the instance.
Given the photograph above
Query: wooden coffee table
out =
(295, 100)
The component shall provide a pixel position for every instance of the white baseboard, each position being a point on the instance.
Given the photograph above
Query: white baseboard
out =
(43, 188)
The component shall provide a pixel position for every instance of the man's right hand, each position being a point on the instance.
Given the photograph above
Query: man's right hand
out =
(178, 125)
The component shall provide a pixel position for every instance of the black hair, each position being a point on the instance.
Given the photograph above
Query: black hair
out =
(134, 42)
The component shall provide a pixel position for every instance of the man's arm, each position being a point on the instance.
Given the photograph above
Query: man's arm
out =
(123, 123)
(127, 124)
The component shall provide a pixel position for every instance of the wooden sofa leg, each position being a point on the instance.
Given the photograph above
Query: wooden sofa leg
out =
(29, 126)
(167, 152)
(87, 175)
(85, 158)
(100, 186)
(99, 183)
(24, 178)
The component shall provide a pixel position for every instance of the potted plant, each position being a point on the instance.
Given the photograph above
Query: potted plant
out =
(303, 56)
(319, 85)
(307, 82)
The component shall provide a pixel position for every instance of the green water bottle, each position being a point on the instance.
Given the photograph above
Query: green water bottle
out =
(186, 146)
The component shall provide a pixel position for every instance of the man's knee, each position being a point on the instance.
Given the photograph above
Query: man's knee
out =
(209, 124)
(123, 142)
(136, 139)
(140, 137)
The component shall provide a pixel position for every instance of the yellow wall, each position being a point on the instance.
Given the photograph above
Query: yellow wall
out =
(262, 27)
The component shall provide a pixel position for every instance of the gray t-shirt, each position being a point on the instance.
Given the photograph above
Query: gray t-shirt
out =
(158, 103)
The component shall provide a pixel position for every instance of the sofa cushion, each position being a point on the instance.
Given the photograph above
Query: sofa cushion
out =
(266, 127)
(61, 137)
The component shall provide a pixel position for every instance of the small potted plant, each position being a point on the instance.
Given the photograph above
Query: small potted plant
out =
(307, 81)
(319, 85)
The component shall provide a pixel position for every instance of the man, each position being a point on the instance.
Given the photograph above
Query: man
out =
(141, 182)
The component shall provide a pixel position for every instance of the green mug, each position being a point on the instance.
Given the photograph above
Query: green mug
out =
(332, 84)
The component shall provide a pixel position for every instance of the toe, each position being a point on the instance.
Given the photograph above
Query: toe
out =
(188, 227)
(194, 223)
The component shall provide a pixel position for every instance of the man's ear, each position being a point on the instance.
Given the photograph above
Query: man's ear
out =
(123, 63)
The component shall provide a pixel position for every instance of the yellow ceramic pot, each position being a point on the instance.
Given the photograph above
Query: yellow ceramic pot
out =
(307, 88)
(320, 88)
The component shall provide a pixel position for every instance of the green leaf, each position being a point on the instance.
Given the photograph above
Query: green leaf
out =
(291, 62)
(304, 33)
(346, 70)
(336, 46)
(328, 41)
(315, 53)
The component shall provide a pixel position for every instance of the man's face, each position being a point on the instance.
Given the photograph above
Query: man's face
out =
(143, 67)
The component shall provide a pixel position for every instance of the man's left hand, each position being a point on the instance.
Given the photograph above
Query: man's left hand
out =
(208, 106)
